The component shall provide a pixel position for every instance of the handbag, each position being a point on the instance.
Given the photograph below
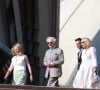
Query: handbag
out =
(94, 78)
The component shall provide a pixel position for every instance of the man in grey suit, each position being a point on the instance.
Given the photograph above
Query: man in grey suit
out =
(53, 60)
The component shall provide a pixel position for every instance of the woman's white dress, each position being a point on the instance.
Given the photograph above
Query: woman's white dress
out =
(83, 76)
(19, 72)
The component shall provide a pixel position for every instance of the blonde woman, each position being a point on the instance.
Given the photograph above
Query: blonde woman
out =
(18, 64)
(88, 66)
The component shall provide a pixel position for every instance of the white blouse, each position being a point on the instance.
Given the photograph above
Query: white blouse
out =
(19, 62)
(89, 57)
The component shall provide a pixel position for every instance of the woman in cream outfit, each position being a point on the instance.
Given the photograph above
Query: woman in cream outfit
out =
(88, 66)
(18, 64)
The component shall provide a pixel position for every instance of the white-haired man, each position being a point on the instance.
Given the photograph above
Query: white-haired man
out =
(53, 60)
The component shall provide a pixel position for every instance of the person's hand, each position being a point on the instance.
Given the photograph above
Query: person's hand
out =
(94, 69)
(7, 74)
(45, 63)
(5, 77)
(31, 77)
(49, 64)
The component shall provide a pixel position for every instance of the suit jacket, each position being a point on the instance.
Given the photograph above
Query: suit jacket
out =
(56, 56)
(79, 58)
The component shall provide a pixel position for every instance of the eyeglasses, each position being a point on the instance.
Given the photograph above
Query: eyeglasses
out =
(50, 42)
(83, 42)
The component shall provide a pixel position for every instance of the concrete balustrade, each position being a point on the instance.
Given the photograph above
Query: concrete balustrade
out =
(32, 87)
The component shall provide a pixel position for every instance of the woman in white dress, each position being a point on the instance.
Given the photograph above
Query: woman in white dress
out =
(88, 66)
(18, 64)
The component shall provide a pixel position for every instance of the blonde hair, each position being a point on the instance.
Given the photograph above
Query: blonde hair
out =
(17, 45)
(87, 41)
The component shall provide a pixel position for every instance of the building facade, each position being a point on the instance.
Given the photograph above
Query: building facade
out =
(29, 22)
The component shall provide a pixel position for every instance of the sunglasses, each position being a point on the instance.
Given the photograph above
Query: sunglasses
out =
(50, 42)
(83, 42)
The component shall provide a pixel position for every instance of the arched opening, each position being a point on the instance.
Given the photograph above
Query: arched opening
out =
(5, 56)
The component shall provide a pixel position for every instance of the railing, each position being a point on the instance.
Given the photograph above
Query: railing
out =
(32, 87)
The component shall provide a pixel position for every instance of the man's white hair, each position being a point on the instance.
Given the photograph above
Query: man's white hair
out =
(51, 39)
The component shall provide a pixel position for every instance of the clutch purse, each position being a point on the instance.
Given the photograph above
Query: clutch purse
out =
(94, 78)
